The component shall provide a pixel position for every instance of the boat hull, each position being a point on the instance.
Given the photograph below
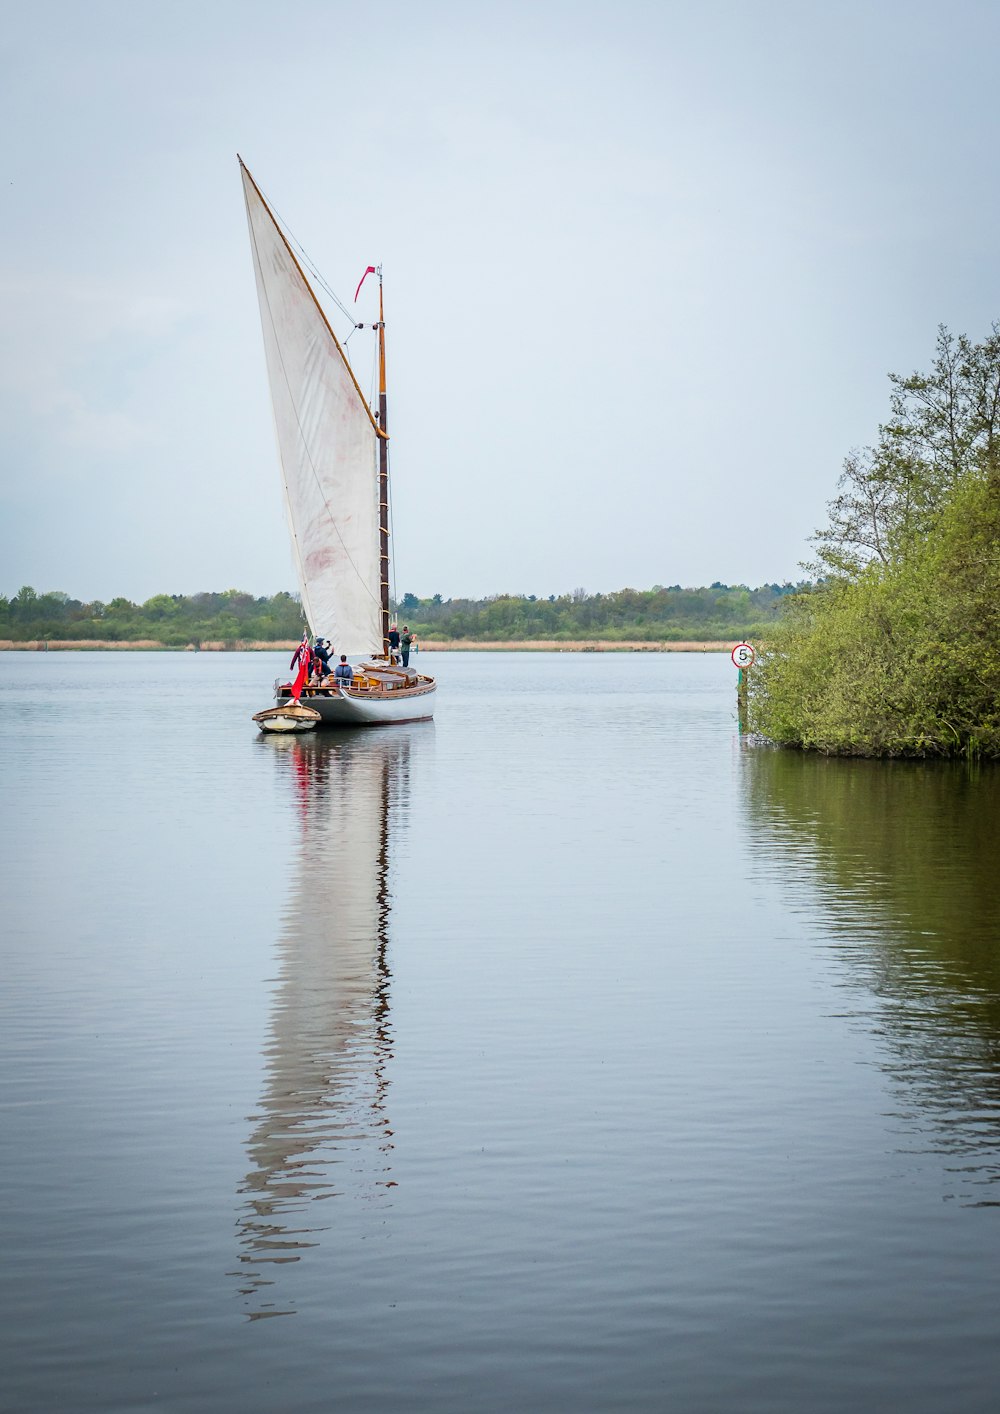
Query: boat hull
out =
(289, 716)
(343, 708)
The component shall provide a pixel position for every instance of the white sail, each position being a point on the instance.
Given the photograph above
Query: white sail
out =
(327, 444)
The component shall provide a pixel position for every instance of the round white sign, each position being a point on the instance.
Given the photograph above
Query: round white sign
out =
(743, 655)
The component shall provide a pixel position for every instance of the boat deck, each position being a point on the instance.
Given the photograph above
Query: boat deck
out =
(332, 687)
(376, 696)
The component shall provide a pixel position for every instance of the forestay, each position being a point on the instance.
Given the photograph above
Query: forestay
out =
(327, 444)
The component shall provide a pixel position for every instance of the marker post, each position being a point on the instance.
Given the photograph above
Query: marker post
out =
(742, 656)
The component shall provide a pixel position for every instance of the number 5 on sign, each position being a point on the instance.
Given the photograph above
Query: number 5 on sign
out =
(742, 655)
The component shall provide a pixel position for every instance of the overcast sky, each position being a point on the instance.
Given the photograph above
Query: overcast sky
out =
(646, 269)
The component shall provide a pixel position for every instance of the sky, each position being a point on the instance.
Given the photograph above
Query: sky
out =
(646, 268)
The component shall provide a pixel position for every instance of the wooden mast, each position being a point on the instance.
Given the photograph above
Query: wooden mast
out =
(383, 474)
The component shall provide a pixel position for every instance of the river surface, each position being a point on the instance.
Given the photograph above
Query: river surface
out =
(564, 1054)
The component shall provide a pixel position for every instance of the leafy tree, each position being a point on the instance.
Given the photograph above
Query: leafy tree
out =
(24, 602)
(897, 650)
(943, 426)
(161, 606)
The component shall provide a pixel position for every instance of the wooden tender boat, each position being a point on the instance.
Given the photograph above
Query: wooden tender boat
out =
(289, 716)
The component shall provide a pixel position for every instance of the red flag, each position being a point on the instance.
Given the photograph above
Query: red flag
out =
(302, 674)
(369, 271)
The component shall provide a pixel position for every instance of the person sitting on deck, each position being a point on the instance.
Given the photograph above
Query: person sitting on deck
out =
(343, 672)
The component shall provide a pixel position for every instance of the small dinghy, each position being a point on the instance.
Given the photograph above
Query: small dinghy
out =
(291, 716)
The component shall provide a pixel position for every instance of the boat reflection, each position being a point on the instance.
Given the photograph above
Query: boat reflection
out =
(902, 857)
(322, 1129)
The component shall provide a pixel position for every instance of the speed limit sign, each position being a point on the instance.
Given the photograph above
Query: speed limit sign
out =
(742, 655)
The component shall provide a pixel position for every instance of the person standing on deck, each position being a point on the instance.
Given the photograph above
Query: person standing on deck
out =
(405, 639)
(393, 644)
(321, 653)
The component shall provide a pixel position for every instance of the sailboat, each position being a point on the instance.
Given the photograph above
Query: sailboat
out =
(334, 456)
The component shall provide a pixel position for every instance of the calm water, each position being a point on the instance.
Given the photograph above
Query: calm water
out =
(561, 1055)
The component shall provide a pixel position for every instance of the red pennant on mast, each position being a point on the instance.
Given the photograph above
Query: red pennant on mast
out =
(369, 271)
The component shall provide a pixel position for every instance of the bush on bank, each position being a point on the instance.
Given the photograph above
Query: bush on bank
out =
(897, 651)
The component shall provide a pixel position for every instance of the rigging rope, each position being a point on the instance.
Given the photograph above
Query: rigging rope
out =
(388, 476)
(317, 275)
(392, 531)
(312, 268)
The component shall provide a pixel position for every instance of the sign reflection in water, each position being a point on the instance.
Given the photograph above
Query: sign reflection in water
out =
(902, 858)
(322, 1129)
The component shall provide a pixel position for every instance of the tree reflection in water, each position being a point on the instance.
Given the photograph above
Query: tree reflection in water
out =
(903, 859)
(322, 1130)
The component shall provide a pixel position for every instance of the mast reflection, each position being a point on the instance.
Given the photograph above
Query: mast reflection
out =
(322, 1129)
(902, 859)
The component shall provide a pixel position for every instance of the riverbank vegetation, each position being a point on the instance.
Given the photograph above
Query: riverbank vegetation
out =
(896, 650)
(672, 613)
(660, 614)
(170, 620)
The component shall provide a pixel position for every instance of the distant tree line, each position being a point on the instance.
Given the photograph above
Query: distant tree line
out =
(897, 652)
(174, 620)
(720, 611)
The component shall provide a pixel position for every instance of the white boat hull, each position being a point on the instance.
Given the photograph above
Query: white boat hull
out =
(343, 708)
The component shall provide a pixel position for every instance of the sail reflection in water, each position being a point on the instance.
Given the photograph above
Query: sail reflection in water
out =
(322, 1130)
(903, 858)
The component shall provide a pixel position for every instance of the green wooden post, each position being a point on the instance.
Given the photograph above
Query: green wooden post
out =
(741, 699)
